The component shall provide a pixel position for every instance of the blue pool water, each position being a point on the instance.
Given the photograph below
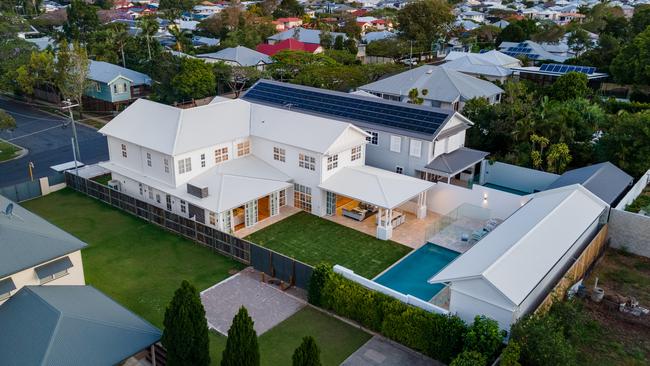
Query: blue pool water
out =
(410, 275)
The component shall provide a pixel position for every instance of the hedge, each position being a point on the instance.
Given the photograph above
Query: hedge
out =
(437, 336)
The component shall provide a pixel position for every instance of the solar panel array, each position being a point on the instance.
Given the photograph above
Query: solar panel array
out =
(522, 49)
(563, 69)
(532, 56)
(347, 107)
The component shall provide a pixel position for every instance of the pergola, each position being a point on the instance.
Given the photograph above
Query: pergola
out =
(450, 164)
(381, 188)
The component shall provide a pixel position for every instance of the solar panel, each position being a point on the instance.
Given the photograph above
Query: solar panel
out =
(347, 107)
(563, 69)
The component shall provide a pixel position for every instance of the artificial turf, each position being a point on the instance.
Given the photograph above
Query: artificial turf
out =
(314, 240)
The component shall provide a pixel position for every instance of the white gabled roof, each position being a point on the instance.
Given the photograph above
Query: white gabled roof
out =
(521, 251)
(174, 131)
(298, 129)
(375, 186)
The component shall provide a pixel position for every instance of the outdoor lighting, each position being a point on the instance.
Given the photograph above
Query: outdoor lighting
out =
(484, 196)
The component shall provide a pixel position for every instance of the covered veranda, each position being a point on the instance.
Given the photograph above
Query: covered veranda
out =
(369, 198)
(458, 167)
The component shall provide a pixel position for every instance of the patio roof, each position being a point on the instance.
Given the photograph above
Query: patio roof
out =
(375, 186)
(230, 184)
(456, 161)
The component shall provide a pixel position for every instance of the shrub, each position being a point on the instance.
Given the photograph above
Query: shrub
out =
(469, 358)
(186, 332)
(438, 336)
(484, 336)
(307, 354)
(543, 342)
(241, 346)
(510, 355)
(317, 281)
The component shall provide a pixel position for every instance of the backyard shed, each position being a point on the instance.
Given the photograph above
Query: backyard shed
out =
(509, 272)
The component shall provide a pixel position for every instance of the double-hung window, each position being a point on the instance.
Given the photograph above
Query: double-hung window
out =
(307, 162)
(279, 154)
(220, 155)
(166, 163)
(332, 162)
(124, 154)
(243, 148)
(202, 160)
(184, 165)
(148, 159)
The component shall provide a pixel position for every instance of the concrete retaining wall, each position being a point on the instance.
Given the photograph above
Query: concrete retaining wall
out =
(629, 231)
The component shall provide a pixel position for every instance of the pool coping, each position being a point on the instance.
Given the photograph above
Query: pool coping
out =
(408, 255)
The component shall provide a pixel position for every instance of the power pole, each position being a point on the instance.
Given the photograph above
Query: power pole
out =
(69, 106)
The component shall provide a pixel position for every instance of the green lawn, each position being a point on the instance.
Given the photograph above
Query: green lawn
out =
(336, 339)
(313, 240)
(141, 265)
(134, 262)
(7, 151)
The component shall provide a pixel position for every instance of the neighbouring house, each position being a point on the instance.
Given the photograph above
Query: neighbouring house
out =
(72, 325)
(112, 87)
(303, 35)
(546, 74)
(419, 141)
(492, 65)
(233, 163)
(509, 273)
(375, 36)
(438, 86)
(238, 56)
(605, 180)
(282, 24)
(35, 252)
(535, 51)
(290, 45)
(475, 16)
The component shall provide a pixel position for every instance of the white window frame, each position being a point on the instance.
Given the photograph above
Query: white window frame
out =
(183, 206)
(416, 148)
(243, 148)
(279, 154)
(185, 165)
(221, 155)
(395, 143)
(373, 139)
(166, 164)
(149, 159)
(399, 170)
(332, 162)
(355, 153)
(307, 161)
(202, 160)
(124, 151)
(212, 217)
(54, 276)
(302, 198)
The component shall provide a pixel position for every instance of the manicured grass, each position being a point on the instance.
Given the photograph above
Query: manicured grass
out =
(336, 339)
(314, 240)
(7, 151)
(140, 266)
(134, 262)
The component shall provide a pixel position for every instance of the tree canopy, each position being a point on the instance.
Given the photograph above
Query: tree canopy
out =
(425, 21)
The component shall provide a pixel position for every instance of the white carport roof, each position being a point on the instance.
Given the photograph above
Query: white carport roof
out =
(375, 186)
(524, 249)
(230, 184)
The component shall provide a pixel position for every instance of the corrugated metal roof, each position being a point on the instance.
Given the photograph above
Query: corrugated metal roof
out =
(605, 180)
(106, 72)
(240, 54)
(522, 250)
(26, 240)
(442, 84)
(304, 35)
(69, 326)
(456, 160)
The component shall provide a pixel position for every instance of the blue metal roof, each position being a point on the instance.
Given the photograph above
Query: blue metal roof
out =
(366, 111)
(69, 326)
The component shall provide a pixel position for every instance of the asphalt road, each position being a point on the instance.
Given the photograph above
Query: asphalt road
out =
(47, 141)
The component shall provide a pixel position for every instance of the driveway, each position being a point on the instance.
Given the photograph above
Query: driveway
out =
(47, 141)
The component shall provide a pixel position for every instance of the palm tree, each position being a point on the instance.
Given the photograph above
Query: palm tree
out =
(149, 26)
(182, 37)
(120, 36)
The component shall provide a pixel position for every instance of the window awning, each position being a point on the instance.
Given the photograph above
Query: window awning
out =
(375, 186)
(456, 161)
(51, 268)
(6, 286)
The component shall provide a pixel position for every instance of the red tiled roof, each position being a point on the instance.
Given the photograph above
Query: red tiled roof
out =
(288, 44)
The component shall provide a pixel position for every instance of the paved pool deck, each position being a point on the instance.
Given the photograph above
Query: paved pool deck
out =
(266, 304)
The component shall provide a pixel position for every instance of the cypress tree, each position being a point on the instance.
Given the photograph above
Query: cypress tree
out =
(186, 330)
(307, 354)
(241, 347)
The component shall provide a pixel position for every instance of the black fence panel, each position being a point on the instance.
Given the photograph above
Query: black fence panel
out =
(265, 260)
(22, 191)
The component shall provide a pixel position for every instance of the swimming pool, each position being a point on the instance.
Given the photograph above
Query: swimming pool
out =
(410, 275)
